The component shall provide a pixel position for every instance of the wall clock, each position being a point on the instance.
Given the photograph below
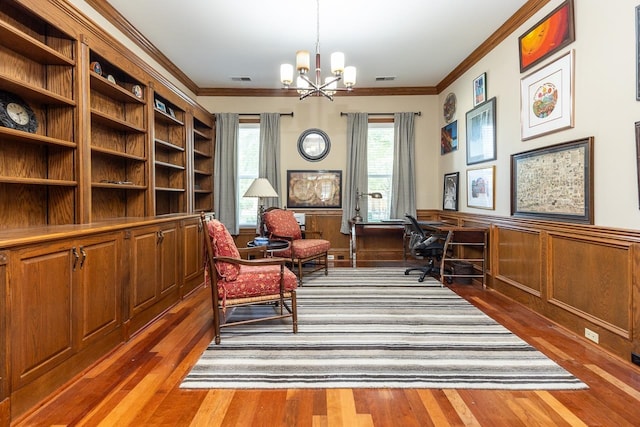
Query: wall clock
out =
(16, 114)
(314, 145)
(449, 107)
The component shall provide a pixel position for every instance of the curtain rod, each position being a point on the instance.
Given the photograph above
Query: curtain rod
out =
(257, 114)
(418, 113)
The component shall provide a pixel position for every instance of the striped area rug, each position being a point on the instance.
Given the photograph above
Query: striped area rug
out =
(376, 328)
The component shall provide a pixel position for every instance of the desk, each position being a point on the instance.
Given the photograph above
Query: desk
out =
(360, 228)
(458, 238)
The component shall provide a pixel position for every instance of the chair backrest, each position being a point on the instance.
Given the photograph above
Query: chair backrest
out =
(220, 243)
(282, 223)
(415, 226)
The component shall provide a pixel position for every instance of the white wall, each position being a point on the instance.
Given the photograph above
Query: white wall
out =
(316, 112)
(605, 108)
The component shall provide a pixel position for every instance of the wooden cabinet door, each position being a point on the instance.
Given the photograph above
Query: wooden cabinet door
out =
(192, 255)
(144, 269)
(41, 283)
(168, 259)
(99, 293)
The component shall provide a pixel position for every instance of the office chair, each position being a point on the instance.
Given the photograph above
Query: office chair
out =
(430, 247)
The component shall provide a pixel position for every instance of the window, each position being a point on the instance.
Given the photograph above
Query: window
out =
(379, 169)
(248, 164)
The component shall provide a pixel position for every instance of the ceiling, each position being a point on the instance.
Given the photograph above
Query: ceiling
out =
(417, 42)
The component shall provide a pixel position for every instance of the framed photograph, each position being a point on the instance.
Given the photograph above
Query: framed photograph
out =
(449, 138)
(481, 133)
(546, 98)
(554, 182)
(480, 89)
(480, 188)
(450, 191)
(547, 36)
(160, 106)
(638, 53)
(314, 189)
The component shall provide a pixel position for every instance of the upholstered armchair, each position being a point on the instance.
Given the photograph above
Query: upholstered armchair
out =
(239, 282)
(305, 246)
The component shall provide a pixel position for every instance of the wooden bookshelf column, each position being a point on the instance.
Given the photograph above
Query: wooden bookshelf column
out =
(38, 175)
(119, 174)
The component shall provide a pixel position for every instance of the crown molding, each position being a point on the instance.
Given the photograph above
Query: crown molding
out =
(364, 91)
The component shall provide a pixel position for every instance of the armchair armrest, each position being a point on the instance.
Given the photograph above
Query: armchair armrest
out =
(255, 251)
(259, 261)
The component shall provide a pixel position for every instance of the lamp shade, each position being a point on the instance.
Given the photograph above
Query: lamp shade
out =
(260, 187)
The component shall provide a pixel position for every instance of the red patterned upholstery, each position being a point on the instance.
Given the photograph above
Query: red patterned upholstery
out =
(282, 224)
(224, 246)
(235, 281)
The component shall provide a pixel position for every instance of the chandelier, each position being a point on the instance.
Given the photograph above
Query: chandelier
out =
(307, 86)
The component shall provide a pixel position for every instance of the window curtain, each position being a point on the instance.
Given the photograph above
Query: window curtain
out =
(356, 171)
(270, 154)
(226, 171)
(403, 181)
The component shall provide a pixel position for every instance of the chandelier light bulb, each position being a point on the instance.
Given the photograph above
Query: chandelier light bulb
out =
(337, 63)
(302, 61)
(286, 74)
(350, 76)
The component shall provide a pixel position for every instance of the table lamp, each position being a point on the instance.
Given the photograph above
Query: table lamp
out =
(260, 188)
(358, 217)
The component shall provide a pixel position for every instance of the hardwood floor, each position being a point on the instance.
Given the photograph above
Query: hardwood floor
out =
(137, 385)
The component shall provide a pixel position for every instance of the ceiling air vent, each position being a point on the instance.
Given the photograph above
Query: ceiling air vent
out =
(241, 79)
(385, 78)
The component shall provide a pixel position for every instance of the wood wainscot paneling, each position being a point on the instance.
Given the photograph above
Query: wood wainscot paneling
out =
(592, 279)
(579, 276)
(519, 259)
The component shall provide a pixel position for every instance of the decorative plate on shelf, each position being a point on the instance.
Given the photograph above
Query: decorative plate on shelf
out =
(96, 68)
(137, 91)
(449, 108)
(111, 79)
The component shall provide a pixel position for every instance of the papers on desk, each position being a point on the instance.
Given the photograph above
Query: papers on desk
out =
(394, 220)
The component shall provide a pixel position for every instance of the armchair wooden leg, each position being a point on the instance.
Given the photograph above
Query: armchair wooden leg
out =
(294, 311)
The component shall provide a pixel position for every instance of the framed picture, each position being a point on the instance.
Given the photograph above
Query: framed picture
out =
(450, 191)
(638, 53)
(554, 182)
(547, 36)
(546, 98)
(638, 158)
(480, 188)
(314, 189)
(171, 112)
(160, 106)
(480, 89)
(449, 138)
(481, 133)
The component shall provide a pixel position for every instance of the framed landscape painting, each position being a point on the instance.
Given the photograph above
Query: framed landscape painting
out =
(481, 133)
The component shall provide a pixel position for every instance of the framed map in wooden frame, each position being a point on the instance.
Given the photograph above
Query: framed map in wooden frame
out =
(554, 182)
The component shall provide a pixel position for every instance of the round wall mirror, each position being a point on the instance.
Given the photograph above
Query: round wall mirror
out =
(314, 145)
